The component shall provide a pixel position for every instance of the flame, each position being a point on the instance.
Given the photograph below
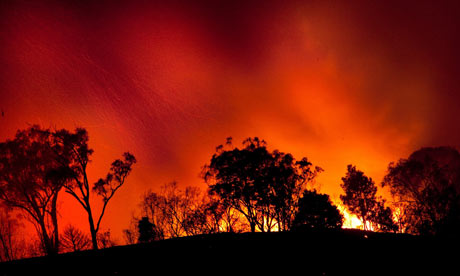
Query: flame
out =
(350, 221)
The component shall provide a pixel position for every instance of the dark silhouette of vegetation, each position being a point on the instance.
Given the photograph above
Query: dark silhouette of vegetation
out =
(146, 230)
(360, 199)
(105, 240)
(169, 209)
(176, 213)
(73, 239)
(223, 218)
(317, 211)
(263, 186)
(426, 189)
(131, 234)
(28, 184)
(249, 189)
(38, 163)
(73, 154)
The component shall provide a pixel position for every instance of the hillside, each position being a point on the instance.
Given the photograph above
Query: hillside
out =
(344, 252)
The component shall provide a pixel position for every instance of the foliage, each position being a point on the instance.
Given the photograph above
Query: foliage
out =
(360, 199)
(426, 188)
(131, 234)
(28, 182)
(176, 213)
(73, 239)
(105, 240)
(263, 186)
(145, 230)
(317, 211)
(73, 153)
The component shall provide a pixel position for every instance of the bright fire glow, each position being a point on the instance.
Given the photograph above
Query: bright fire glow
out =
(350, 221)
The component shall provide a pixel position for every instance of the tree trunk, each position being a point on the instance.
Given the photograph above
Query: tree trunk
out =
(47, 244)
(253, 226)
(92, 229)
(55, 222)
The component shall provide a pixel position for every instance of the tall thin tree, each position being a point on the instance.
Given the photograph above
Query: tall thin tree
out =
(73, 153)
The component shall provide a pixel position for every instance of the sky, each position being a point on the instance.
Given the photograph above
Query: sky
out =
(338, 82)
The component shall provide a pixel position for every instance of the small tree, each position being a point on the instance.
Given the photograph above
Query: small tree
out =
(146, 230)
(104, 239)
(175, 212)
(131, 234)
(360, 199)
(316, 211)
(72, 239)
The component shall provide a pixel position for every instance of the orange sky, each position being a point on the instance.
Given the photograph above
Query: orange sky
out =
(354, 82)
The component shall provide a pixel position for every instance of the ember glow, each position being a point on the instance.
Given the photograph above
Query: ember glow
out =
(354, 82)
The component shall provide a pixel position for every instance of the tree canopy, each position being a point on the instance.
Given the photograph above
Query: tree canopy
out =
(38, 163)
(316, 211)
(426, 186)
(264, 186)
(360, 199)
(74, 154)
(28, 182)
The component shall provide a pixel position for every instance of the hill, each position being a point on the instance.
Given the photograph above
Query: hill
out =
(343, 252)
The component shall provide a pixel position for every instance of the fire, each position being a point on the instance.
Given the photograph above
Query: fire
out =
(350, 221)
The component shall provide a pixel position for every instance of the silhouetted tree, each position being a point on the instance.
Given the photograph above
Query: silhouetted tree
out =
(72, 239)
(426, 188)
(104, 239)
(196, 222)
(209, 216)
(146, 230)
(383, 218)
(263, 186)
(28, 182)
(289, 179)
(316, 211)
(73, 153)
(174, 212)
(153, 207)
(177, 207)
(222, 218)
(360, 199)
(131, 234)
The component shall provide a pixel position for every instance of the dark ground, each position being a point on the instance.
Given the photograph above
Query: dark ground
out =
(344, 252)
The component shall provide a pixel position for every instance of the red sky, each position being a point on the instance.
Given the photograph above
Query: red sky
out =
(353, 82)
